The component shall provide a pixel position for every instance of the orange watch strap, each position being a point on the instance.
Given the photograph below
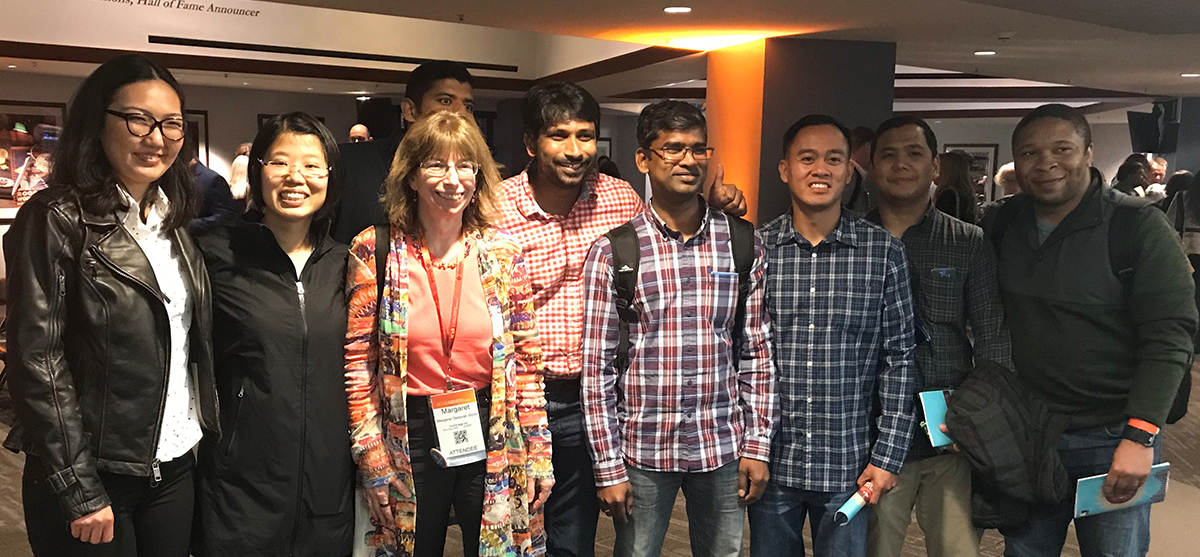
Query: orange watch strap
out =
(1144, 426)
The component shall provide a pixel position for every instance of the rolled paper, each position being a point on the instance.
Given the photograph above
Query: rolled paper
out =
(847, 511)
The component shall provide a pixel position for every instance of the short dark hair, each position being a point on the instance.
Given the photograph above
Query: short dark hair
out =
(668, 116)
(809, 121)
(860, 136)
(1139, 159)
(421, 80)
(1061, 112)
(1129, 169)
(79, 161)
(904, 121)
(298, 123)
(554, 102)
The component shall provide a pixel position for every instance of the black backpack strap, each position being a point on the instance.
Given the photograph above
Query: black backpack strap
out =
(741, 236)
(1006, 213)
(383, 247)
(1121, 238)
(626, 255)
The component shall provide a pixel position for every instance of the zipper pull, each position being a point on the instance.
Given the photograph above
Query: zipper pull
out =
(62, 284)
(154, 469)
(241, 391)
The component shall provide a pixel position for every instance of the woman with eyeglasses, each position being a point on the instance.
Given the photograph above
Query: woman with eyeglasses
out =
(443, 364)
(109, 354)
(280, 481)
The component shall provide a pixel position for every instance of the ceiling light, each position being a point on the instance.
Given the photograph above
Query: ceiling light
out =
(245, 83)
(678, 10)
(985, 52)
(711, 42)
(1180, 75)
(363, 98)
(310, 88)
(12, 66)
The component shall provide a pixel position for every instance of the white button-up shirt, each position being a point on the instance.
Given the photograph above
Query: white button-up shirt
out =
(180, 422)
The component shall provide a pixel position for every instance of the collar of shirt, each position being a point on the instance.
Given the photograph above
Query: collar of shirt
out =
(922, 225)
(676, 235)
(154, 220)
(527, 204)
(843, 233)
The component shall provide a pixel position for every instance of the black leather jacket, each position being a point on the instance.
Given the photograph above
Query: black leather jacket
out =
(89, 346)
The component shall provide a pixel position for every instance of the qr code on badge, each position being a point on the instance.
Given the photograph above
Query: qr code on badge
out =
(460, 437)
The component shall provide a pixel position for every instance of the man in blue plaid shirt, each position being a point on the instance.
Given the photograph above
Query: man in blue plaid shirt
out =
(842, 315)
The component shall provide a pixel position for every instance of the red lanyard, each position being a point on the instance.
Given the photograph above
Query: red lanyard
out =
(447, 337)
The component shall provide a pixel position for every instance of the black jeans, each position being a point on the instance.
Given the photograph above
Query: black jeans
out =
(148, 520)
(440, 488)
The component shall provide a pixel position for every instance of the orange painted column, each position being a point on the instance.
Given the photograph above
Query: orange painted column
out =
(734, 108)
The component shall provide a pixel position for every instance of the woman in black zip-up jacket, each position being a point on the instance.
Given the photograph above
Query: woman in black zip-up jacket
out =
(109, 353)
(280, 481)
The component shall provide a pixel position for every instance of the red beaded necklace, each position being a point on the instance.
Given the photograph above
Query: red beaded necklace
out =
(442, 265)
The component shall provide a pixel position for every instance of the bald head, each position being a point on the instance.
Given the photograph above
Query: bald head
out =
(359, 133)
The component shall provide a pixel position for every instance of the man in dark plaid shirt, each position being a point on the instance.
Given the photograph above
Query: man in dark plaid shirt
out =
(685, 414)
(957, 295)
(842, 316)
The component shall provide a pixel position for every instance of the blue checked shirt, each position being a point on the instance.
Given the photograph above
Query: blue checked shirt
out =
(842, 324)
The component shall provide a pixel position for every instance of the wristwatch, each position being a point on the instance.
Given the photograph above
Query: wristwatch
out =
(1139, 435)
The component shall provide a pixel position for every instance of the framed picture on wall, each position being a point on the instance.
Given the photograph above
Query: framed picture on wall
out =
(983, 165)
(29, 132)
(197, 133)
(604, 147)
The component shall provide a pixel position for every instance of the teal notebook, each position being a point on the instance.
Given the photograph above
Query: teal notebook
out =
(1089, 492)
(934, 405)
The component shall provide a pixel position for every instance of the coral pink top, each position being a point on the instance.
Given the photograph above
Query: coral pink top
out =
(471, 357)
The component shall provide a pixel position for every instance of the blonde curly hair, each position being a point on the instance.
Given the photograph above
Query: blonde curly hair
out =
(439, 134)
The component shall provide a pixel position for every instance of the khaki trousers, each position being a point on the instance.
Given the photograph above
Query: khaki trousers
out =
(940, 489)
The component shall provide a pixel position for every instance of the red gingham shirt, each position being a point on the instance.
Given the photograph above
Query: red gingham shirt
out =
(555, 248)
(683, 405)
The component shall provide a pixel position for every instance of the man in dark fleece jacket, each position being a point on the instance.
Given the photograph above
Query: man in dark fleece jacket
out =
(1109, 360)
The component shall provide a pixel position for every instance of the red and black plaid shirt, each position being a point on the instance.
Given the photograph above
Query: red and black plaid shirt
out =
(555, 248)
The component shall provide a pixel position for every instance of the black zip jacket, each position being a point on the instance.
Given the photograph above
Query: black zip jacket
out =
(89, 346)
(280, 482)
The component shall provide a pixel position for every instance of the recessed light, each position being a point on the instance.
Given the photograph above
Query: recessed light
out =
(363, 98)
(310, 89)
(678, 10)
(245, 83)
(1180, 75)
(985, 52)
(12, 66)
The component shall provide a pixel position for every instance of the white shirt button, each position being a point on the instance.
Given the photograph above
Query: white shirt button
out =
(808, 435)
(809, 399)
(812, 289)
(814, 256)
(812, 326)
(809, 364)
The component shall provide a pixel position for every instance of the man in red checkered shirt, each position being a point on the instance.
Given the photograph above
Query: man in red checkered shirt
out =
(557, 208)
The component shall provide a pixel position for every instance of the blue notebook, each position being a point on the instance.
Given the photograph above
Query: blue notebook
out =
(934, 405)
(1089, 492)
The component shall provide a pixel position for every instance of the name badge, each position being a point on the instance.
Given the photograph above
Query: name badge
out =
(459, 431)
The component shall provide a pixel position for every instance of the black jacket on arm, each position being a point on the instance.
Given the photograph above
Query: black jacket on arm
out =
(89, 346)
(281, 480)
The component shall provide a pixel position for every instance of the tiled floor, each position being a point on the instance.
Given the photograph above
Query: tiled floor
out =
(1171, 519)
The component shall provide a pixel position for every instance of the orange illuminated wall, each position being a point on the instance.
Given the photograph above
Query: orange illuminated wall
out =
(734, 109)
